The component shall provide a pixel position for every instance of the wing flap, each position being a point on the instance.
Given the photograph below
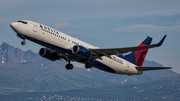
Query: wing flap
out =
(151, 68)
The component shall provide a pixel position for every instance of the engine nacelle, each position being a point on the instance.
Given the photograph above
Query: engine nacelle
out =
(48, 54)
(81, 51)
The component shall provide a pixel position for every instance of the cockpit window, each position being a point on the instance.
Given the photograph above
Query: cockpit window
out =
(24, 22)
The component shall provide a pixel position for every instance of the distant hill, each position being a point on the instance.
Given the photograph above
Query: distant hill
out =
(26, 71)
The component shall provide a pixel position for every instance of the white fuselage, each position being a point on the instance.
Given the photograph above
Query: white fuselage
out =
(58, 41)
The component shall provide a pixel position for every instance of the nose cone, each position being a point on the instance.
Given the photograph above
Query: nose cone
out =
(14, 26)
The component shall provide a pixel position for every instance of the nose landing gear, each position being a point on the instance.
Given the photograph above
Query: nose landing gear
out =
(22, 37)
(23, 42)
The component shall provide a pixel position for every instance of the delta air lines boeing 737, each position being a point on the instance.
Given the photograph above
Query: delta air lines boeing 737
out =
(60, 46)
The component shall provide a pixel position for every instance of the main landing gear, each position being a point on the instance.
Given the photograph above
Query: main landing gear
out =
(88, 65)
(69, 66)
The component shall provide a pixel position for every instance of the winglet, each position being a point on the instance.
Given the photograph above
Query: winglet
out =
(161, 42)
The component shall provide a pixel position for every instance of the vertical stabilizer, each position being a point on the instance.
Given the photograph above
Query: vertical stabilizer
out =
(137, 57)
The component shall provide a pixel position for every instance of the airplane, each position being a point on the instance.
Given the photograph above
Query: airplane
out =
(60, 46)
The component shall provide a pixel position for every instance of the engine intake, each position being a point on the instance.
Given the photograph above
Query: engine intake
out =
(48, 54)
(81, 51)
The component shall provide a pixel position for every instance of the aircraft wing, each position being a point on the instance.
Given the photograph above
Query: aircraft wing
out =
(120, 51)
(151, 68)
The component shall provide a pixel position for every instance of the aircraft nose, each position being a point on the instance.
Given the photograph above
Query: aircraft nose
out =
(13, 25)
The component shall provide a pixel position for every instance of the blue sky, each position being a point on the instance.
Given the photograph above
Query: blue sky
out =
(102, 23)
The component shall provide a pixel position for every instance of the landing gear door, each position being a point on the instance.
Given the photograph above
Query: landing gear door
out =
(35, 27)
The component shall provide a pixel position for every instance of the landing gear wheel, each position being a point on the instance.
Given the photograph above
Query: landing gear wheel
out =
(69, 66)
(88, 65)
(23, 43)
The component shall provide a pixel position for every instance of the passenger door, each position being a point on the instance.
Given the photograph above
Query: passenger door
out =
(35, 27)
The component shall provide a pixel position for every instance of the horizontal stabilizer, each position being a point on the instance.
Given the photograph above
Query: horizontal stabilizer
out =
(151, 68)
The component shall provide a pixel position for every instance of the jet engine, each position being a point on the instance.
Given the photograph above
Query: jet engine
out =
(48, 54)
(81, 51)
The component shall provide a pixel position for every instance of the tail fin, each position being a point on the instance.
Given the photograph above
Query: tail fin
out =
(137, 57)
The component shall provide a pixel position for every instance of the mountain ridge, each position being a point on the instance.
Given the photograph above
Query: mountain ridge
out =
(26, 71)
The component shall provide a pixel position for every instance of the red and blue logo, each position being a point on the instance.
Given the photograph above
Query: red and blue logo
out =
(137, 57)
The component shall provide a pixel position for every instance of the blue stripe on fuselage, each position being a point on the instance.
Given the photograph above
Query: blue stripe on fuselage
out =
(102, 66)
